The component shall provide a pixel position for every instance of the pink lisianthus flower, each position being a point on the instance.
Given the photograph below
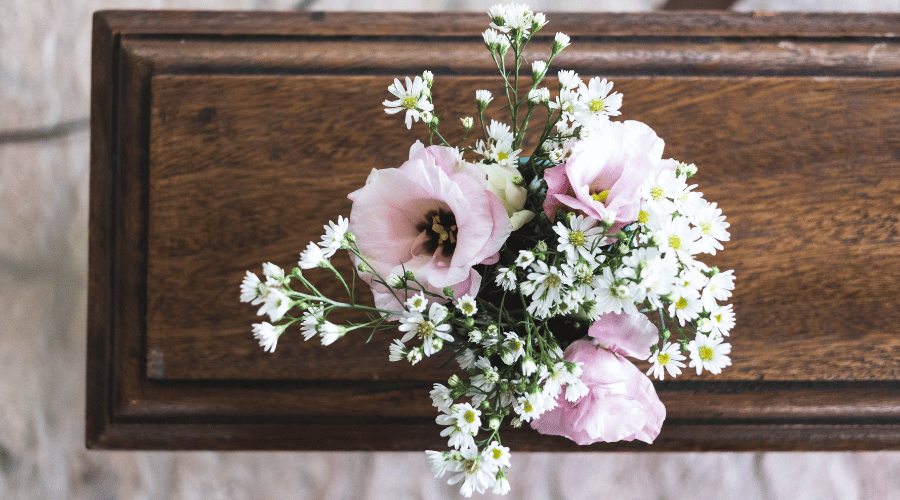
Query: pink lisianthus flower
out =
(604, 173)
(433, 216)
(621, 403)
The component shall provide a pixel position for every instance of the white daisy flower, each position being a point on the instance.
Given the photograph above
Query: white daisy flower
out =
(568, 79)
(718, 288)
(472, 472)
(721, 320)
(668, 359)
(415, 355)
(483, 97)
(529, 406)
(276, 304)
(597, 104)
(441, 399)
(267, 335)
(709, 353)
(462, 421)
(506, 278)
(614, 294)
(466, 359)
(529, 367)
(524, 259)
(567, 101)
(333, 239)
(538, 96)
(712, 226)
(312, 257)
(440, 462)
(537, 70)
(496, 456)
(560, 41)
(413, 99)
(331, 332)
(272, 271)
(487, 379)
(397, 351)
(584, 279)
(686, 307)
(678, 235)
(581, 238)
(313, 317)
(514, 17)
(252, 288)
(538, 21)
(414, 324)
(660, 188)
(467, 305)
(513, 348)
(417, 302)
(549, 284)
(501, 486)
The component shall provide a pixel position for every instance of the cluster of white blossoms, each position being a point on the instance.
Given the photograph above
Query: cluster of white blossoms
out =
(602, 243)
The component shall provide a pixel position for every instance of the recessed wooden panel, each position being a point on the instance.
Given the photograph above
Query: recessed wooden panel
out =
(222, 141)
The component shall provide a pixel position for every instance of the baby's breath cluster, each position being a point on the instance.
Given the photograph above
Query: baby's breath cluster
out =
(536, 274)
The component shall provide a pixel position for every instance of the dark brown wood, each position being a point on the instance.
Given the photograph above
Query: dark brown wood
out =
(224, 140)
(697, 5)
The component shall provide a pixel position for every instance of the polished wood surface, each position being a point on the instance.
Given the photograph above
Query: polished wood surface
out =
(224, 140)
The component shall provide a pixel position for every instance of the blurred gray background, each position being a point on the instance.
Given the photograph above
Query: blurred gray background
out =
(44, 103)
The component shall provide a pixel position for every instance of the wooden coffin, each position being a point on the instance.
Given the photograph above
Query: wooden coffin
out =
(220, 141)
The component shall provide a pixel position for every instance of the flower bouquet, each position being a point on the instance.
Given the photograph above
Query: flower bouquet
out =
(538, 274)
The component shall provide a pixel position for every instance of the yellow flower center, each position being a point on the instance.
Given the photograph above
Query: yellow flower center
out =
(682, 303)
(471, 465)
(497, 454)
(552, 281)
(706, 227)
(706, 354)
(718, 318)
(425, 329)
(601, 196)
(469, 416)
(468, 308)
(502, 156)
(596, 106)
(527, 408)
(410, 103)
(576, 238)
(663, 358)
(675, 242)
(656, 193)
(643, 217)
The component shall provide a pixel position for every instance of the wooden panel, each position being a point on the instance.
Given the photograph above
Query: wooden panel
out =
(212, 154)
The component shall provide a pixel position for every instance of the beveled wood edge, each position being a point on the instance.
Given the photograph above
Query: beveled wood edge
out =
(105, 427)
(345, 24)
(418, 437)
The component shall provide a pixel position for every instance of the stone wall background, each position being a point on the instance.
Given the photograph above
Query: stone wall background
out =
(45, 82)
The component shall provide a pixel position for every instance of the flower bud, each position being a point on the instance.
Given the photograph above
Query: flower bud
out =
(560, 42)
(537, 70)
(394, 281)
(428, 76)
(494, 423)
(467, 122)
(408, 275)
(454, 380)
(448, 292)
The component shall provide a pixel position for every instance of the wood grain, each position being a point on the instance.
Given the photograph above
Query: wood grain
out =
(222, 141)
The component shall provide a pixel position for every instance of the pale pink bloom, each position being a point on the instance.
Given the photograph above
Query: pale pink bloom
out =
(434, 216)
(621, 403)
(603, 175)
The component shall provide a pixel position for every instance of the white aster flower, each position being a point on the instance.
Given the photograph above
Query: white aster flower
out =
(501, 486)
(537, 70)
(668, 359)
(538, 21)
(272, 271)
(567, 101)
(506, 278)
(413, 99)
(549, 284)
(597, 104)
(441, 399)
(331, 332)
(568, 79)
(414, 355)
(414, 324)
(471, 471)
(440, 462)
(496, 456)
(312, 257)
(524, 259)
(516, 18)
(580, 239)
(252, 288)
(538, 96)
(709, 353)
(560, 41)
(276, 304)
(397, 351)
(678, 235)
(529, 367)
(267, 335)
(529, 406)
(466, 359)
(417, 302)
(721, 320)
(686, 307)
(485, 380)
(584, 279)
(614, 294)
(513, 348)
(483, 98)
(462, 421)
(660, 188)
(718, 288)
(712, 226)
(313, 317)
(467, 305)
(333, 239)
